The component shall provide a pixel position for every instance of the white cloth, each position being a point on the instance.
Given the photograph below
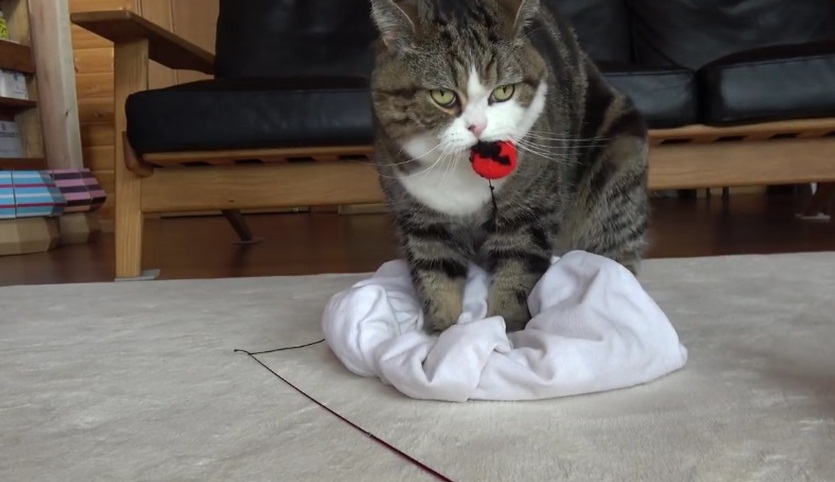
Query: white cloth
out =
(593, 329)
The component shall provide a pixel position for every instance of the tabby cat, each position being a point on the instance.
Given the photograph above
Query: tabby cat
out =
(452, 73)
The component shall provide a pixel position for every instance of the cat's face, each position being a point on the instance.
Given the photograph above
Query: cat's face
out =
(452, 73)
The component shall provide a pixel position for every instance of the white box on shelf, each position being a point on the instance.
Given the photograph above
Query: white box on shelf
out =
(13, 85)
(10, 145)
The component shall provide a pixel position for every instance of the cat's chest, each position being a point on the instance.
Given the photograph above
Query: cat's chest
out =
(456, 191)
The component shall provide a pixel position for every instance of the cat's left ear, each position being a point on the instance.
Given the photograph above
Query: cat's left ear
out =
(524, 11)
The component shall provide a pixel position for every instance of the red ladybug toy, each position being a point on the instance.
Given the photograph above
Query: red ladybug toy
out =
(494, 160)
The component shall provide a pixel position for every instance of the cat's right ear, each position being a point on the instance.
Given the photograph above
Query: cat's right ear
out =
(523, 11)
(396, 27)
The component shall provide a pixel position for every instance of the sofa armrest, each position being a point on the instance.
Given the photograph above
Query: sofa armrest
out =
(124, 26)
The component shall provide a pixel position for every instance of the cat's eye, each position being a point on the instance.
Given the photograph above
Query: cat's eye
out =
(503, 93)
(444, 98)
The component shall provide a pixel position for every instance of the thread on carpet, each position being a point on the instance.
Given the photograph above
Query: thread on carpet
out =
(368, 434)
(286, 348)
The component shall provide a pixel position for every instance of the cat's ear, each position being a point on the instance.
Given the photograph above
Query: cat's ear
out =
(523, 13)
(397, 29)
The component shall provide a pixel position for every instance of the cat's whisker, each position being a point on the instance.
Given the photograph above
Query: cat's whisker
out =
(557, 147)
(541, 146)
(547, 138)
(413, 159)
(384, 176)
(430, 151)
(453, 156)
(560, 143)
(549, 155)
(555, 150)
(378, 172)
(449, 167)
(445, 156)
(437, 161)
(551, 135)
(546, 153)
(442, 158)
(533, 150)
(546, 144)
(573, 138)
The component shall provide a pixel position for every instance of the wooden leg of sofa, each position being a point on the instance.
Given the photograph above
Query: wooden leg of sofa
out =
(821, 201)
(129, 221)
(131, 75)
(238, 223)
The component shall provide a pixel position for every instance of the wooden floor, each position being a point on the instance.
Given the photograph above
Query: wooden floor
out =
(328, 243)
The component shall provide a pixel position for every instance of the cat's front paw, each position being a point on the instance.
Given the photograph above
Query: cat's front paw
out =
(435, 326)
(514, 311)
(442, 312)
(437, 321)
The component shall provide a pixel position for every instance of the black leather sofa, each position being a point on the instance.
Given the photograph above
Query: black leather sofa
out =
(296, 73)
(715, 62)
(287, 74)
(736, 92)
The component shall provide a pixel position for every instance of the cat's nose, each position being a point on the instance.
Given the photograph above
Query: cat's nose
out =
(477, 128)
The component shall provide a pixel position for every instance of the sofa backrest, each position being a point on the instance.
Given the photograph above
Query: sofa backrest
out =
(692, 33)
(275, 38)
(601, 25)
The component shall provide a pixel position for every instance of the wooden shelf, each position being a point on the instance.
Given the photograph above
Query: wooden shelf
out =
(10, 105)
(17, 57)
(23, 164)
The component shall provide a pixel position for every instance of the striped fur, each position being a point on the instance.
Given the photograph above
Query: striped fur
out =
(581, 179)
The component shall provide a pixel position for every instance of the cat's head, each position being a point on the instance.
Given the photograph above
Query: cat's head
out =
(451, 73)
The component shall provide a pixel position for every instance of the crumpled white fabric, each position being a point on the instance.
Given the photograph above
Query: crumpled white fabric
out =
(593, 329)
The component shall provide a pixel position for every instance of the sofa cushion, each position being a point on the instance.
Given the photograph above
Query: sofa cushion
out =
(773, 83)
(289, 38)
(601, 25)
(666, 96)
(692, 33)
(251, 113)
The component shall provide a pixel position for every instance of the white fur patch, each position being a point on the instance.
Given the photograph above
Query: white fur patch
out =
(447, 185)
(475, 89)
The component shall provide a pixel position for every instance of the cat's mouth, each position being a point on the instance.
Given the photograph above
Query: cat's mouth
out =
(439, 150)
(466, 145)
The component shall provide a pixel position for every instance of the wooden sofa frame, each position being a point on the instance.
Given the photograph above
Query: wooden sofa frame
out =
(697, 156)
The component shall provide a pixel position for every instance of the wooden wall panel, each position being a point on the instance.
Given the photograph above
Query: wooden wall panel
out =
(196, 27)
(93, 55)
(99, 134)
(82, 39)
(95, 110)
(94, 61)
(94, 85)
(99, 158)
(191, 19)
(159, 12)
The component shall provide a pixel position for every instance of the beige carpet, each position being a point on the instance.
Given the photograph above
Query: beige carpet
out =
(139, 382)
